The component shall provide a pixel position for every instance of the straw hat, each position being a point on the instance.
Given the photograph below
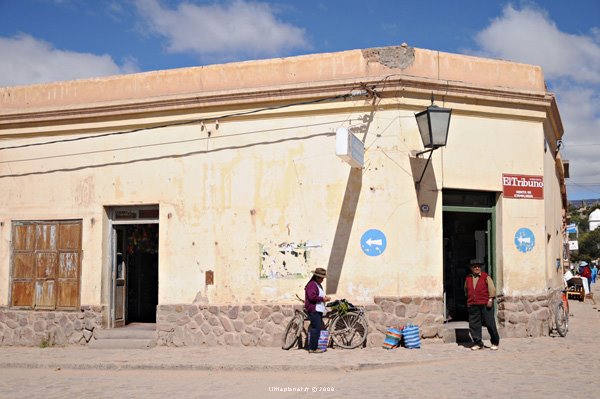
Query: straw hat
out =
(320, 272)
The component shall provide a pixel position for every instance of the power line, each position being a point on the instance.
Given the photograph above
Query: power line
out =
(352, 93)
(138, 146)
(585, 188)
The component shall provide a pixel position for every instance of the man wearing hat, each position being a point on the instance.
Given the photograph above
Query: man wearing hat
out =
(480, 293)
(314, 304)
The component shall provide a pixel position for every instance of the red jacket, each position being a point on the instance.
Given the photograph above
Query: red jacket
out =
(586, 272)
(478, 295)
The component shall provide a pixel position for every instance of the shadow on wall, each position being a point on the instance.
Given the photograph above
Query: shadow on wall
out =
(343, 230)
(428, 190)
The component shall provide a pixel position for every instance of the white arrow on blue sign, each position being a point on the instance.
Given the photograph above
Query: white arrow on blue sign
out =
(373, 242)
(524, 240)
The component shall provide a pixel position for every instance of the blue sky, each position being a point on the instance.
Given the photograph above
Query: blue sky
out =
(50, 40)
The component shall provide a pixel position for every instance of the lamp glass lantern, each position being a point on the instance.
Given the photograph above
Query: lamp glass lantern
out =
(433, 125)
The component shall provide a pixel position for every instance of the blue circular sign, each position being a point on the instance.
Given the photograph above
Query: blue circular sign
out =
(524, 240)
(373, 242)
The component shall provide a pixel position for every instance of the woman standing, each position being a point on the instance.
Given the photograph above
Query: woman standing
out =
(314, 304)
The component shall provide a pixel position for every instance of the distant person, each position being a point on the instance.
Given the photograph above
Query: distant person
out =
(480, 292)
(585, 273)
(314, 304)
(582, 266)
(594, 274)
(567, 276)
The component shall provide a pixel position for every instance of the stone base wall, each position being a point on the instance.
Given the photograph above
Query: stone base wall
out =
(263, 325)
(260, 325)
(210, 325)
(524, 316)
(386, 312)
(48, 328)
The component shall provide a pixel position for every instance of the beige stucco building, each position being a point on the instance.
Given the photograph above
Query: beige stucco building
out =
(201, 198)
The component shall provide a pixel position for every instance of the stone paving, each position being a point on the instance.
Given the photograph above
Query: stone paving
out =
(584, 321)
(522, 368)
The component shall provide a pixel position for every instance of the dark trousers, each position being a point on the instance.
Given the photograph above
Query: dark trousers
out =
(477, 313)
(316, 323)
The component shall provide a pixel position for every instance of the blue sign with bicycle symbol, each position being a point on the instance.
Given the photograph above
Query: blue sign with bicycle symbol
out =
(524, 240)
(373, 242)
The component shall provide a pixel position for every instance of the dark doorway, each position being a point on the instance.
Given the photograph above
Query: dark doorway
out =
(137, 254)
(466, 237)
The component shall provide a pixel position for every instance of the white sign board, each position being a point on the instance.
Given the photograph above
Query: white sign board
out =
(349, 148)
(573, 245)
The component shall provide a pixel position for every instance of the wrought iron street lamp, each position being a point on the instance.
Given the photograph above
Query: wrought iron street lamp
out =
(433, 124)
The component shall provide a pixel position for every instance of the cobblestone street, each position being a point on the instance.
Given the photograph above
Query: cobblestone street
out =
(522, 368)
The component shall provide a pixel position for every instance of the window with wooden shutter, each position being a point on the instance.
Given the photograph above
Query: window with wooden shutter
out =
(46, 263)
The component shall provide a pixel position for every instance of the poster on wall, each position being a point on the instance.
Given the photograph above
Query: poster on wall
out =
(523, 186)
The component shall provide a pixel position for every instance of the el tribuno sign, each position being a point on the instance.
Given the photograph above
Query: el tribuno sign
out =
(523, 186)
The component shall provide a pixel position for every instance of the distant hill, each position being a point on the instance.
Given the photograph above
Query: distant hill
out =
(584, 202)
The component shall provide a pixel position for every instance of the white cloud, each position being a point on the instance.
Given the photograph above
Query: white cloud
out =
(571, 65)
(27, 60)
(222, 31)
(530, 36)
(579, 107)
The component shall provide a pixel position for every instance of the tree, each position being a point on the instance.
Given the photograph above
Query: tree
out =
(589, 241)
(579, 217)
(589, 246)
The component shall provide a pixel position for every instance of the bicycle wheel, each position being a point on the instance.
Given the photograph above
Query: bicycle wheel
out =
(561, 317)
(349, 330)
(291, 335)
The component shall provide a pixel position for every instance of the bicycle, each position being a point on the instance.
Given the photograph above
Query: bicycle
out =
(558, 304)
(346, 324)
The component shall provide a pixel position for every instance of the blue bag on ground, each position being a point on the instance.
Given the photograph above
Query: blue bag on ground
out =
(392, 338)
(323, 340)
(412, 339)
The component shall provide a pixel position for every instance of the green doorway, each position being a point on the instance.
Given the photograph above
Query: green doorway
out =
(468, 225)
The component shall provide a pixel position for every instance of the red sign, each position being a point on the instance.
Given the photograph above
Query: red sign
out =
(523, 186)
